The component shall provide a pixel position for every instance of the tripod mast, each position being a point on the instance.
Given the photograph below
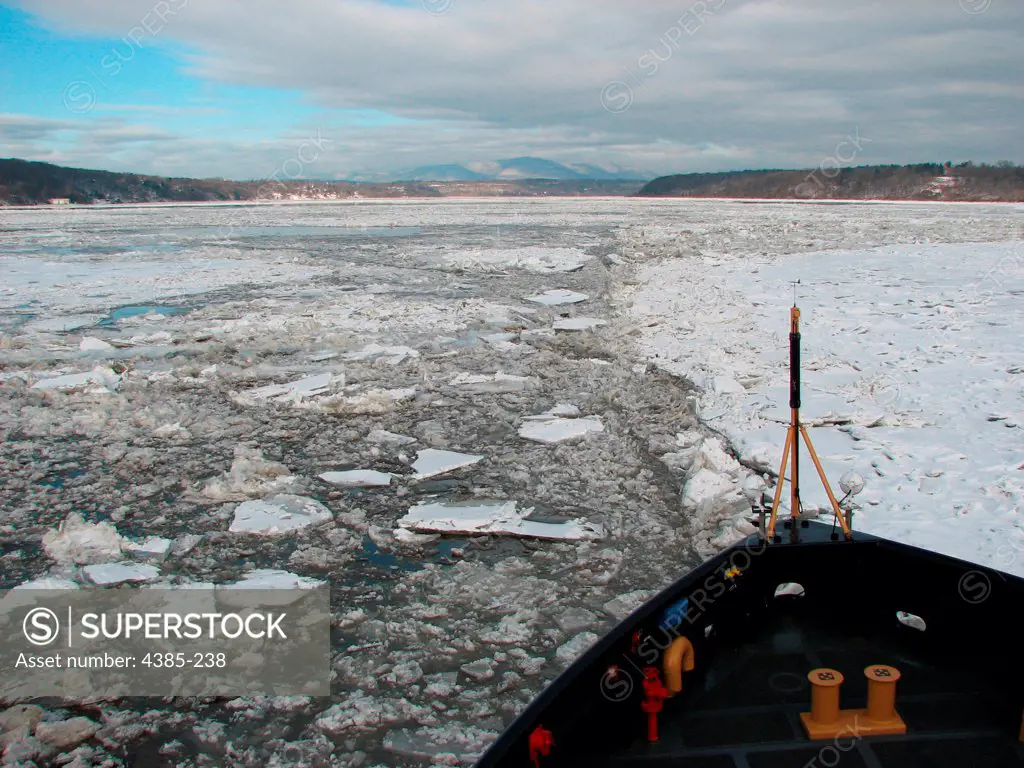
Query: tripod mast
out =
(792, 447)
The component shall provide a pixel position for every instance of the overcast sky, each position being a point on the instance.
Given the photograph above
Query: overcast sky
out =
(244, 88)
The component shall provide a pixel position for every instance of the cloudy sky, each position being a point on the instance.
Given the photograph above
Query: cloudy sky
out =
(333, 88)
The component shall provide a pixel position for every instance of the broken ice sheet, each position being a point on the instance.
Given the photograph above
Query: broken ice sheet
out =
(557, 297)
(558, 424)
(278, 514)
(497, 383)
(492, 516)
(561, 410)
(103, 378)
(92, 344)
(250, 475)
(82, 543)
(265, 579)
(440, 744)
(307, 386)
(557, 430)
(60, 324)
(430, 462)
(108, 574)
(578, 324)
(382, 436)
(151, 548)
(538, 259)
(358, 478)
(390, 355)
(372, 401)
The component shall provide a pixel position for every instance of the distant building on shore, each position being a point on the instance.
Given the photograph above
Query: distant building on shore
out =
(60, 201)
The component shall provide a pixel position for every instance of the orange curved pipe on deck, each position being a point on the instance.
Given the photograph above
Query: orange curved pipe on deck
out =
(678, 659)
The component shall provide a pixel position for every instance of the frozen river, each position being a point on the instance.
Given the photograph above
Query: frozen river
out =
(162, 366)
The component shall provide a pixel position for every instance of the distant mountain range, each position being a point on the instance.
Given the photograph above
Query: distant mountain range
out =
(518, 168)
(32, 183)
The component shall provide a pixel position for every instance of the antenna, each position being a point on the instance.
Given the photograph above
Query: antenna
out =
(794, 283)
(796, 433)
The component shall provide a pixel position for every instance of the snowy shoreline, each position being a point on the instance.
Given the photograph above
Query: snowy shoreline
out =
(907, 375)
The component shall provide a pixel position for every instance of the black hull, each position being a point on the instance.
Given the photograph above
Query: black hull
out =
(961, 691)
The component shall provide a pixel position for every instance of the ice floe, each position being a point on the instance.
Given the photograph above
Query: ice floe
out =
(48, 582)
(368, 478)
(92, 344)
(383, 437)
(532, 259)
(372, 401)
(250, 475)
(557, 297)
(557, 430)
(493, 383)
(558, 424)
(306, 387)
(100, 378)
(287, 584)
(494, 517)
(431, 462)
(151, 548)
(108, 574)
(578, 323)
(61, 324)
(78, 542)
(278, 514)
(392, 355)
(172, 430)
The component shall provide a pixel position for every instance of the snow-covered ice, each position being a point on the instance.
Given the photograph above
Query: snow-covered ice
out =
(911, 369)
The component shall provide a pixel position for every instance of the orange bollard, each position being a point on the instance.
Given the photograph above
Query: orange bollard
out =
(827, 721)
(882, 693)
(825, 695)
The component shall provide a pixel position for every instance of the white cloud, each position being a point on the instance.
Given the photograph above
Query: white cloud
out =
(759, 83)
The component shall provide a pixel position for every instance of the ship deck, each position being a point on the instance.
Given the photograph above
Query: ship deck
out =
(960, 690)
(744, 712)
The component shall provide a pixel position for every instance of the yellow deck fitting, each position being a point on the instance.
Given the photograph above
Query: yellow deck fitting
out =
(824, 700)
(678, 659)
(827, 721)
